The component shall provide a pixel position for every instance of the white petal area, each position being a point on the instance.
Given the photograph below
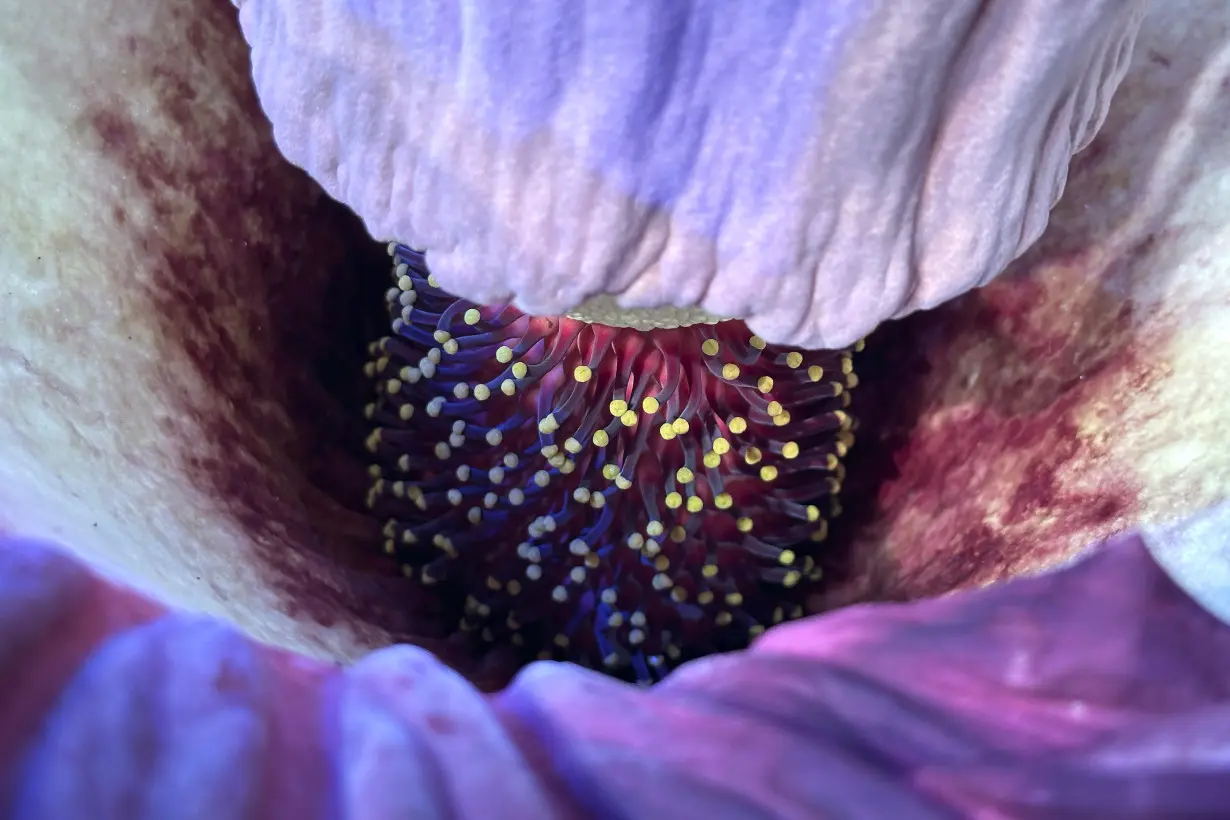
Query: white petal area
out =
(812, 167)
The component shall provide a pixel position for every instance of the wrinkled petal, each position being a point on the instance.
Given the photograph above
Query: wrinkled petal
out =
(812, 167)
(1100, 688)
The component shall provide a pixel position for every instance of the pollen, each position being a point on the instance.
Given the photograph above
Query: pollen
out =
(624, 499)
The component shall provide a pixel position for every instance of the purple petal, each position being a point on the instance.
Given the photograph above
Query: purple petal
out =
(1098, 689)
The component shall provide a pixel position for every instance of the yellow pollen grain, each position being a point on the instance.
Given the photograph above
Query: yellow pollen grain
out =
(712, 460)
(709, 570)
(503, 354)
(793, 359)
(441, 336)
(721, 446)
(757, 342)
(821, 533)
(813, 512)
(406, 411)
(764, 384)
(744, 524)
(705, 597)
(683, 475)
(847, 365)
(471, 316)
(774, 408)
(782, 418)
(572, 445)
(451, 346)
(432, 280)
(582, 373)
(681, 426)
(654, 528)
(815, 372)
(508, 387)
(650, 405)
(678, 534)
(752, 455)
(666, 431)
(695, 505)
(520, 370)
(548, 424)
(601, 439)
(723, 619)
(709, 347)
(609, 471)
(734, 599)
(723, 501)
(482, 392)
(628, 419)
(859, 345)
(623, 483)
(792, 578)
(730, 371)
(617, 407)
(738, 425)
(768, 472)
(674, 501)
(786, 558)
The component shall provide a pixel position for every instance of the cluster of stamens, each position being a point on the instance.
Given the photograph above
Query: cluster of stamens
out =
(616, 497)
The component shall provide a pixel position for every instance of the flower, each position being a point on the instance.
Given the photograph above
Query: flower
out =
(179, 396)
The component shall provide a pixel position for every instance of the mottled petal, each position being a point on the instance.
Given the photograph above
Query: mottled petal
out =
(163, 721)
(418, 741)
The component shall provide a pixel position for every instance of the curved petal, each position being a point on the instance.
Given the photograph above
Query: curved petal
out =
(812, 167)
(1096, 688)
